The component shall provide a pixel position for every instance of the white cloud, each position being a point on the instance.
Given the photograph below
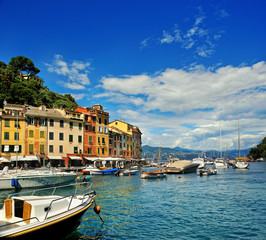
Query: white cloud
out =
(75, 74)
(197, 96)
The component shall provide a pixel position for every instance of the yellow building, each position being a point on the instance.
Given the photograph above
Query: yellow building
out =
(12, 131)
(102, 130)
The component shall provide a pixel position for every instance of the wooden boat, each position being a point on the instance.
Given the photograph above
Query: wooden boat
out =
(34, 214)
(154, 174)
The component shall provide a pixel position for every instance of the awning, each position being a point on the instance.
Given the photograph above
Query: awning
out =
(6, 148)
(55, 157)
(3, 160)
(75, 158)
(24, 158)
(14, 158)
(91, 158)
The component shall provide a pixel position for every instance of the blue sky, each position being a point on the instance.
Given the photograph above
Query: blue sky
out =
(178, 69)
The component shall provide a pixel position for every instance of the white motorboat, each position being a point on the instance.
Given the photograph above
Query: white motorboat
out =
(33, 178)
(128, 172)
(207, 172)
(39, 213)
(220, 163)
(199, 161)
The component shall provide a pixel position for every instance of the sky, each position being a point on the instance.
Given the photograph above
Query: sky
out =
(180, 70)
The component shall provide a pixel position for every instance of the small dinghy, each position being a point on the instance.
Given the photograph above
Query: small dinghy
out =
(45, 212)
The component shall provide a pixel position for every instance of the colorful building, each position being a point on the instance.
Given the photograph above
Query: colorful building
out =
(131, 140)
(12, 132)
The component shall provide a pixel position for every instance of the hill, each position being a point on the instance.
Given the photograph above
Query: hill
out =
(19, 84)
(182, 153)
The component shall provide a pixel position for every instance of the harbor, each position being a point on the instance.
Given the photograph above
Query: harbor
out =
(228, 205)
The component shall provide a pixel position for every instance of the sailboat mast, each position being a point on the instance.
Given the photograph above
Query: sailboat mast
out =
(159, 157)
(238, 137)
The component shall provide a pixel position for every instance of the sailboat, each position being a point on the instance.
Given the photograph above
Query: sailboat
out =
(240, 162)
(220, 162)
(154, 174)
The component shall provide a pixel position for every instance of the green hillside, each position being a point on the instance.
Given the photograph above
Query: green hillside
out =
(19, 84)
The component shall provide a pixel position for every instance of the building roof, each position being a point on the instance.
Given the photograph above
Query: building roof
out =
(37, 112)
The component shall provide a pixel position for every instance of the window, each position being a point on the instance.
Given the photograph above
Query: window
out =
(100, 120)
(105, 121)
(100, 129)
(90, 139)
(6, 123)
(51, 148)
(31, 133)
(98, 150)
(41, 134)
(103, 140)
(51, 122)
(30, 121)
(110, 151)
(61, 149)
(6, 135)
(42, 149)
(61, 123)
(87, 127)
(79, 139)
(93, 128)
(71, 125)
(42, 122)
(80, 126)
(89, 150)
(31, 148)
(16, 123)
(99, 140)
(75, 149)
(61, 136)
(16, 148)
(51, 136)
(70, 138)
(115, 152)
(102, 150)
(105, 130)
(16, 136)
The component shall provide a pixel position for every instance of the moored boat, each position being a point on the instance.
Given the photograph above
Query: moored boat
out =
(241, 163)
(128, 172)
(33, 214)
(207, 172)
(177, 166)
(108, 171)
(33, 179)
(154, 174)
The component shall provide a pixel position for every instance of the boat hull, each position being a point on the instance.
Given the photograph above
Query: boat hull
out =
(154, 174)
(57, 228)
(35, 181)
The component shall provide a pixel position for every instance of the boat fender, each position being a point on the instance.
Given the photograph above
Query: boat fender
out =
(14, 182)
(97, 210)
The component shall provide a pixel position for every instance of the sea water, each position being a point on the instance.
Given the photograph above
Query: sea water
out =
(229, 205)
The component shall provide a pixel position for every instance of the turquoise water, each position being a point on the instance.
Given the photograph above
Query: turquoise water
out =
(229, 205)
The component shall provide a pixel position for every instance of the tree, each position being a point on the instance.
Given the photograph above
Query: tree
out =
(259, 151)
(23, 64)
